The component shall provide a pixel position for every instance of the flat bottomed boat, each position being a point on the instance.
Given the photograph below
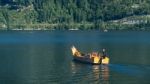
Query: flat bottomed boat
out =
(91, 58)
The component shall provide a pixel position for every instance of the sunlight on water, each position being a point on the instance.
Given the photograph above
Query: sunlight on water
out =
(44, 57)
(93, 74)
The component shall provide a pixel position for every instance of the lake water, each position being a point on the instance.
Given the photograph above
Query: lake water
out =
(44, 57)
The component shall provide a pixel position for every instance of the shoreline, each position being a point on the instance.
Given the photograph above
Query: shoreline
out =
(105, 27)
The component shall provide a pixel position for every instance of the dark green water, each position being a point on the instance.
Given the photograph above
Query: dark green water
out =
(44, 57)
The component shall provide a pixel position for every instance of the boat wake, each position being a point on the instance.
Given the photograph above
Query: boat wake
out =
(132, 70)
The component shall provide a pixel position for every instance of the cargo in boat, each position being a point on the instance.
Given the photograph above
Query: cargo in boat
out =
(92, 58)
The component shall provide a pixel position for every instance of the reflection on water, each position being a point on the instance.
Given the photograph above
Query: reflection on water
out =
(93, 74)
(101, 73)
(45, 58)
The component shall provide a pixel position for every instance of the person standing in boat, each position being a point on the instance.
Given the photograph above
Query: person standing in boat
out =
(104, 53)
(103, 56)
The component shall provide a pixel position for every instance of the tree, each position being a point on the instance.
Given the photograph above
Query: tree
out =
(5, 15)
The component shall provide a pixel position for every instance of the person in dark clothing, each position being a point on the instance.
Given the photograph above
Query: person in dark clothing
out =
(104, 53)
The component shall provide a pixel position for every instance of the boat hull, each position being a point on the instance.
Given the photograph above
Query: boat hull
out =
(104, 61)
(85, 60)
(91, 58)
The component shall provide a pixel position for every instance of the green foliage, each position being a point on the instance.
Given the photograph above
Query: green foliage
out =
(6, 17)
(61, 12)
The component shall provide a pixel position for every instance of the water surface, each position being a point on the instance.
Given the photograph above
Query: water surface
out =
(44, 57)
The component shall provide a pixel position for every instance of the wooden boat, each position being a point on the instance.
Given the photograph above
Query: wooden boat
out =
(91, 58)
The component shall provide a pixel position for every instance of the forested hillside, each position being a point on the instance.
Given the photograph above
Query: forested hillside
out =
(74, 14)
